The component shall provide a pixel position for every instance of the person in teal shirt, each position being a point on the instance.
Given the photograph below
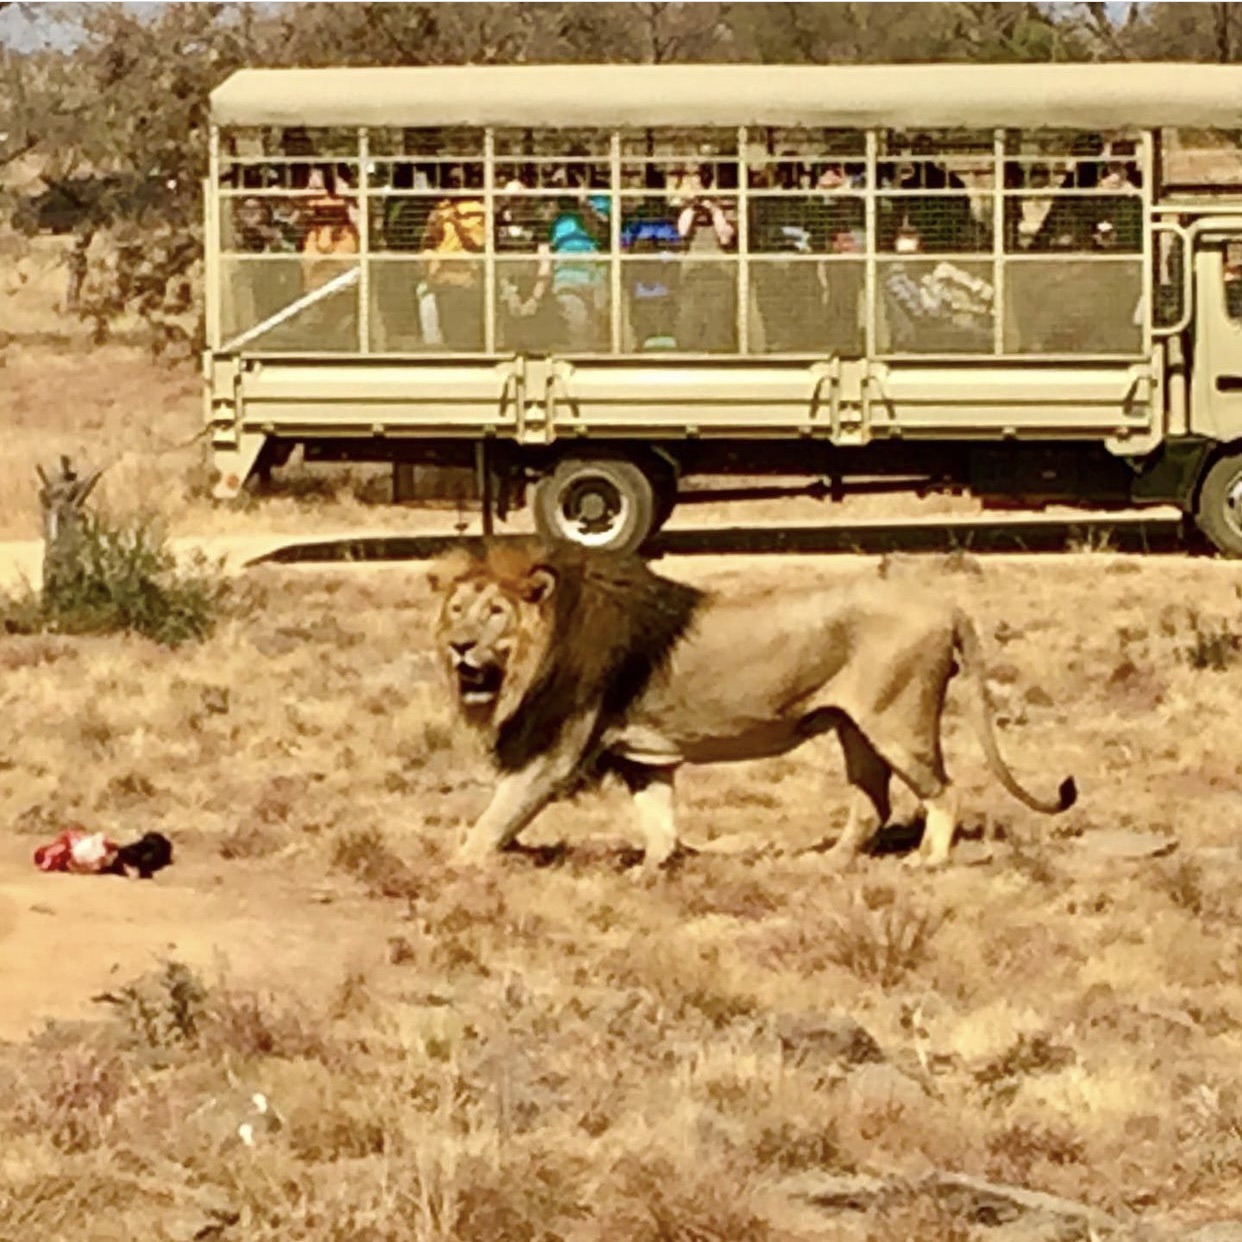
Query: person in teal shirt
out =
(578, 283)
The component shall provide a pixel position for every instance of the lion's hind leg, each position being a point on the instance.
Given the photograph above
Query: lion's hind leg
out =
(919, 763)
(870, 775)
(923, 771)
(939, 829)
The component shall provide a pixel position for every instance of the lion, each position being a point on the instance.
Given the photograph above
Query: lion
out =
(574, 663)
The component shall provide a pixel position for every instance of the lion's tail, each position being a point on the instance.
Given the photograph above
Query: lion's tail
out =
(966, 641)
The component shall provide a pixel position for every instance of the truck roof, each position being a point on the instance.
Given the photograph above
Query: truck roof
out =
(1062, 96)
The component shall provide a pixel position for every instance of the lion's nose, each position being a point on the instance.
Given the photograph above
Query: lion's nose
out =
(462, 648)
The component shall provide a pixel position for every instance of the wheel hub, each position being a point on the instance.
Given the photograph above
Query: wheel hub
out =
(593, 510)
(592, 507)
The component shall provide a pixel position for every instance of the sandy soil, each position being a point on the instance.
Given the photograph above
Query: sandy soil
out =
(65, 939)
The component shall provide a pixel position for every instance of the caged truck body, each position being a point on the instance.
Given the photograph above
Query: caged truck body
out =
(589, 283)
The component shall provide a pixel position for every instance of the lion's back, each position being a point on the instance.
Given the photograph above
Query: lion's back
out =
(775, 654)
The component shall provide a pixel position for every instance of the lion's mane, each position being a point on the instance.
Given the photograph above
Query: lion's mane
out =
(611, 626)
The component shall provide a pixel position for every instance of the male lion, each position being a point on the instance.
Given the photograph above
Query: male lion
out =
(573, 663)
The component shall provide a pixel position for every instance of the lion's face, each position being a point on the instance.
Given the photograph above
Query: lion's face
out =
(490, 627)
(479, 624)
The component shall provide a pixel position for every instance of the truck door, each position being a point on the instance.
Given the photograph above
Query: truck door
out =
(1216, 403)
(1216, 386)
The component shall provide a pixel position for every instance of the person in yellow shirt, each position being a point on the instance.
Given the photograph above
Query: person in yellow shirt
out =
(456, 233)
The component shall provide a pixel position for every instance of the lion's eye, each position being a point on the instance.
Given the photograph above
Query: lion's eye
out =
(496, 610)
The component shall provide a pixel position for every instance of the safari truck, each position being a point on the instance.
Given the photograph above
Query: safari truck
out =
(589, 283)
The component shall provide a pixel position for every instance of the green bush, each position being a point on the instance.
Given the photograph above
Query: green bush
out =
(125, 579)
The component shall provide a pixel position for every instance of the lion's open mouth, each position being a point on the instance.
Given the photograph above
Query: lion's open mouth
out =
(477, 686)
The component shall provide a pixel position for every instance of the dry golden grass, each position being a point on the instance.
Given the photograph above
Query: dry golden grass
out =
(553, 1052)
(545, 1052)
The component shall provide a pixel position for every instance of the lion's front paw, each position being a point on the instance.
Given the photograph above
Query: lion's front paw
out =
(474, 854)
(840, 859)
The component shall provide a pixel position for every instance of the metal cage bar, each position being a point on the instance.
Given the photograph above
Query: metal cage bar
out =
(614, 237)
(364, 242)
(743, 246)
(1148, 309)
(211, 251)
(1000, 202)
(871, 221)
(489, 241)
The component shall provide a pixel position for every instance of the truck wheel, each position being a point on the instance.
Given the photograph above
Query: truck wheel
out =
(666, 495)
(1219, 510)
(601, 502)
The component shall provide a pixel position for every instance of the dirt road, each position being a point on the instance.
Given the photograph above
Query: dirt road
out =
(65, 939)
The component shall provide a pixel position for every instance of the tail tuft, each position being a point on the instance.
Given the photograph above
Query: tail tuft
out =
(1067, 794)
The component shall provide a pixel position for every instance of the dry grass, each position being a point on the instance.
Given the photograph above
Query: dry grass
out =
(554, 1052)
(551, 1051)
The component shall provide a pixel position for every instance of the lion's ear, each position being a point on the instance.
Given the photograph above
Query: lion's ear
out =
(538, 585)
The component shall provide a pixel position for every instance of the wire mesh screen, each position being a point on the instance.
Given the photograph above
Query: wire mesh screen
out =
(698, 242)
(1073, 306)
(935, 306)
(300, 304)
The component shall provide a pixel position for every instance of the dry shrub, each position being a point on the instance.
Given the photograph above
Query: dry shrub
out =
(173, 1008)
(36, 651)
(461, 902)
(720, 1006)
(1212, 1131)
(364, 854)
(164, 1009)
(326, 1132)
(52, 1205)
(1017, 1151)
(725, 886)
(517, 1192)
(791, 1145)
(278, 799)
(1024, 950)
(40, 819)
(1183, 881)
(883, 935)
(1137, 689)
(1026, 1056)
(254, 1025)
(654, 1200)
(73, 1101)
(1032, 858)
(310, 1202)
(1214, 645)
(689, 980)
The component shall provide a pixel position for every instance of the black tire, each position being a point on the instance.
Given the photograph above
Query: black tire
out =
(597, 502)
(666, 495)
(1218, 513)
